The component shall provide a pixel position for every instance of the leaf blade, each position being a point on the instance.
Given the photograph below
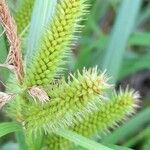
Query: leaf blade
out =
(120, 35)
(7, 127)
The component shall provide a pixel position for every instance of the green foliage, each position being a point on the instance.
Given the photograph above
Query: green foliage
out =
(3, 53)
(56, 112)
(146, 145)
(79, 140)
(37, 25)
(7, 127)
(118, 41)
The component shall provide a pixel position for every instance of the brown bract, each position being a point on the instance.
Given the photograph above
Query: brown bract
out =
(14, 57)
(4, 98)
(38, 93)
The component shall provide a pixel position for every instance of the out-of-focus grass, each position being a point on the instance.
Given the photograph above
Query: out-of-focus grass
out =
(38, 23)
(121, 32)
(3, 54)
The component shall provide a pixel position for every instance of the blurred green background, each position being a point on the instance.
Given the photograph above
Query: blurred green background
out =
(116, 38)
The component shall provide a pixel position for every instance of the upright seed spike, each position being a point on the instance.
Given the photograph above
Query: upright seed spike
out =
(55, 42)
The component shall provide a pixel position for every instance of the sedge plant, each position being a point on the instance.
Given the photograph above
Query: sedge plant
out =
(44, 101)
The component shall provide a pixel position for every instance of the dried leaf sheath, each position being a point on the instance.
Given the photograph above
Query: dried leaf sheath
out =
(14, 57)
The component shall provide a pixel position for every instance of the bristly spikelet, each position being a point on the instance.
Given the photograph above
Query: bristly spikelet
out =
(55, 142)
(55, 42)
(69, 104)
(117, 109)
(15, 108)
(86, 85)
(111, 112)
(23, 14)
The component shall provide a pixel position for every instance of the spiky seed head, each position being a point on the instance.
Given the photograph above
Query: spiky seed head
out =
(76, 103)
(38, 93)
(70, 102)
(111, 112)
(53, 47)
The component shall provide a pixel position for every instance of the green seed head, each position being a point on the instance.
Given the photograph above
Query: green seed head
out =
(23, 14)
(110, 113)
(44, 103)
(69, 102)
(55, 42)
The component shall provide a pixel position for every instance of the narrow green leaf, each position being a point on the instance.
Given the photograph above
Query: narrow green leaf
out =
(99, 9)
(115, 147)
(129, 128)
(120, 35)
(144, 16)
(9, 127)
(42, 14)
(138, 138)
(140, 39)
(3, 53)
(3, 47)
(131, 66)
(82, 141)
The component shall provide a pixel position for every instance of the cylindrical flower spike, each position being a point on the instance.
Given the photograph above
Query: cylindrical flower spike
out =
(23, 14)
(70, 102)
(110, 113)
(55, 42)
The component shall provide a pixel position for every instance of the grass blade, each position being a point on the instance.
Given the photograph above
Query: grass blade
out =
(138, 138)
(131, 66)
(3, 54)
(120, 35)
(42, 14)
(144, 16)
(82, 141)
(7, 127)
(115, 147)
(140, 39)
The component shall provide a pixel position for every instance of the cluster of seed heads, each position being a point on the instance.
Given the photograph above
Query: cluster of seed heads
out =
(43, 101)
